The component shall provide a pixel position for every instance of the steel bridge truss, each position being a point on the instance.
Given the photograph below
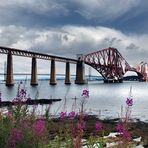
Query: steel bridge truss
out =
(109, 63)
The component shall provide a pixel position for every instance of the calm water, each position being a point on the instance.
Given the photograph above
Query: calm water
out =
(104, 98)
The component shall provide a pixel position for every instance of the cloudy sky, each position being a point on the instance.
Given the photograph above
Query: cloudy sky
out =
(70, 27)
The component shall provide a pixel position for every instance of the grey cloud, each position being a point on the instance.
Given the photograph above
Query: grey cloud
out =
(35, 6)
(111, 41)
(47, 7)
(135, 57)
(71, 40)
(126, 15)
(65, 37)
(132, 47)
(104, 9)
(10, 35)
(31, 12)
(14, 11)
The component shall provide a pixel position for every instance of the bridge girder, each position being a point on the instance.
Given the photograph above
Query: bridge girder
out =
(109, 63)
(26, 53)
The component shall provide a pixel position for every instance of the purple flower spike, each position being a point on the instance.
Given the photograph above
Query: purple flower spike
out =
(39, 126)
(63, 115)
(120, 127)
(23, 92)
(72, 114)
(99, 126)
(81, 126)
(129, 101)
(127, 135)
(85, 93)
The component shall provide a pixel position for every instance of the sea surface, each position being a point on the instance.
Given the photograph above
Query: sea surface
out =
(105, 100)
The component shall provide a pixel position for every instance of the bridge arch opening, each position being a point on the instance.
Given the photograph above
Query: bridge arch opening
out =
(130, 73)
(131, 76)
(91, 73)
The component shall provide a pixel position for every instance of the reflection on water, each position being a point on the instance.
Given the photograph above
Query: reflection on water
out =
(105, 99)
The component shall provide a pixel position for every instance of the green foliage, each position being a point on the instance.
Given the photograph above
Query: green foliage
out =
(20, 112)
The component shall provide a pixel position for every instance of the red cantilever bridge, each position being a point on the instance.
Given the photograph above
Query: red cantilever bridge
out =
(108, 62)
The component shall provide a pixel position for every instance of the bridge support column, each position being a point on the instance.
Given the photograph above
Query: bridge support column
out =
(53, 73)
(67, 73)
(34, 80)
(80, 74)
(9, 75)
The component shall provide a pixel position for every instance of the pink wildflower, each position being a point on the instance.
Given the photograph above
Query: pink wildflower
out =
(39, 126)
(121, 128)
(99, 126)
(81, 126)
(63, 115)
(23, 92)
(72, 114)
(85, 93)
(127, 135)
(129, 101)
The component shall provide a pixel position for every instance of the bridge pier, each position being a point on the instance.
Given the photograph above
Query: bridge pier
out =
(9, 75)
(53, 73)
(67, 74)
(80, 73)
(34, 80)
